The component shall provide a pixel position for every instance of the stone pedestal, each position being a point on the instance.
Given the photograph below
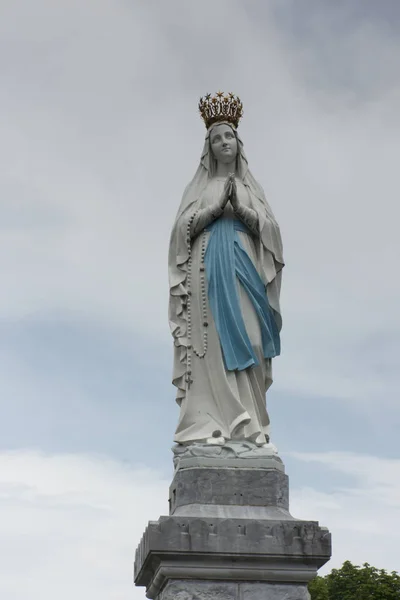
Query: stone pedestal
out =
(230, 536)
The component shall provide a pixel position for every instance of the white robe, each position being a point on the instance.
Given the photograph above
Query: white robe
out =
(221, 402)
(229, 402)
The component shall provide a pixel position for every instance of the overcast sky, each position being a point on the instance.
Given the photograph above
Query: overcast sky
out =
(100, 135)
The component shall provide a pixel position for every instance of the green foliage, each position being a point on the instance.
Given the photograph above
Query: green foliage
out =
(318, 589)
(356, 583)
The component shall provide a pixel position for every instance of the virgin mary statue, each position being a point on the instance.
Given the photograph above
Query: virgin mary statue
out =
(225, 263)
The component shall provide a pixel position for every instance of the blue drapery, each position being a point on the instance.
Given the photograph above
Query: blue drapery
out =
(228, 263)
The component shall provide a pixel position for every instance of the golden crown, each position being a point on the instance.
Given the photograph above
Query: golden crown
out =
(221, 107)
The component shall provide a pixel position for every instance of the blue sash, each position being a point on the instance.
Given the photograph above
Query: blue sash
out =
(227, 262)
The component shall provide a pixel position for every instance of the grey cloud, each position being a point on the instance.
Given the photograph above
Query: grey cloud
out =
(24, 208)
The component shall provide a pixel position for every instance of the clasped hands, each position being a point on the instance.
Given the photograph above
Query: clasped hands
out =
(230, 192)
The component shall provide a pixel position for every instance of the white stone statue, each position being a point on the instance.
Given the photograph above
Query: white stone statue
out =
(225, 263)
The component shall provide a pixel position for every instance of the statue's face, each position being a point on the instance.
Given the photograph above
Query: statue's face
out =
(223, 143)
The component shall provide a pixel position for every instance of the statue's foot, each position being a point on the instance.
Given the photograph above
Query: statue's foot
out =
(216, 441)
(261, 440)
(271, 447)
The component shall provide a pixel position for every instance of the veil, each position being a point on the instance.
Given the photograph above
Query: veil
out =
(269, 249)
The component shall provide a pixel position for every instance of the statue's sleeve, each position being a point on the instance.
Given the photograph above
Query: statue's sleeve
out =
(249, 217)
(204, 217)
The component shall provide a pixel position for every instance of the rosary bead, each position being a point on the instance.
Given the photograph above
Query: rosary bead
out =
(187, 301)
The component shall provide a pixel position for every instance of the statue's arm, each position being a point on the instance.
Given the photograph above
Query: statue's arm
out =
(246, 214)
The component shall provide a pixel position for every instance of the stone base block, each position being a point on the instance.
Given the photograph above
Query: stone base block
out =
(229, 535)
(190, 549)
(241, 487)
(236, 590)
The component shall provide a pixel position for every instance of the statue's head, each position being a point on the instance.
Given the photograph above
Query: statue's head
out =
(223, 143)
(221, 114)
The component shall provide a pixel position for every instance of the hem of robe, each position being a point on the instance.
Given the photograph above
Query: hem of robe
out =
(243, 419)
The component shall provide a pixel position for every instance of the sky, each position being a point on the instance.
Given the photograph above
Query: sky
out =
(100, 136)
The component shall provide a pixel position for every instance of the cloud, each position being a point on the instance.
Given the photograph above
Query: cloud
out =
(72, 384)
(71, 523)
(362, 513)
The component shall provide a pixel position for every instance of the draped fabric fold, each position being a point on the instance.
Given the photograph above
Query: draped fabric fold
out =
(227, 263)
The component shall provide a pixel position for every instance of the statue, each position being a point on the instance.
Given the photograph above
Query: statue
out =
(225, 264)
(229, 533)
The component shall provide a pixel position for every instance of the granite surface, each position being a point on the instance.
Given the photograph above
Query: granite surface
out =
(229, 486)
(216, 590)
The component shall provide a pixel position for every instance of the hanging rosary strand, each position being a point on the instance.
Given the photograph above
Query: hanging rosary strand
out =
(190, 345)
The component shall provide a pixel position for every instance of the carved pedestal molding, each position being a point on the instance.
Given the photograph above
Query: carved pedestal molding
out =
(233, 453)
(215, 590)
(230, 536)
